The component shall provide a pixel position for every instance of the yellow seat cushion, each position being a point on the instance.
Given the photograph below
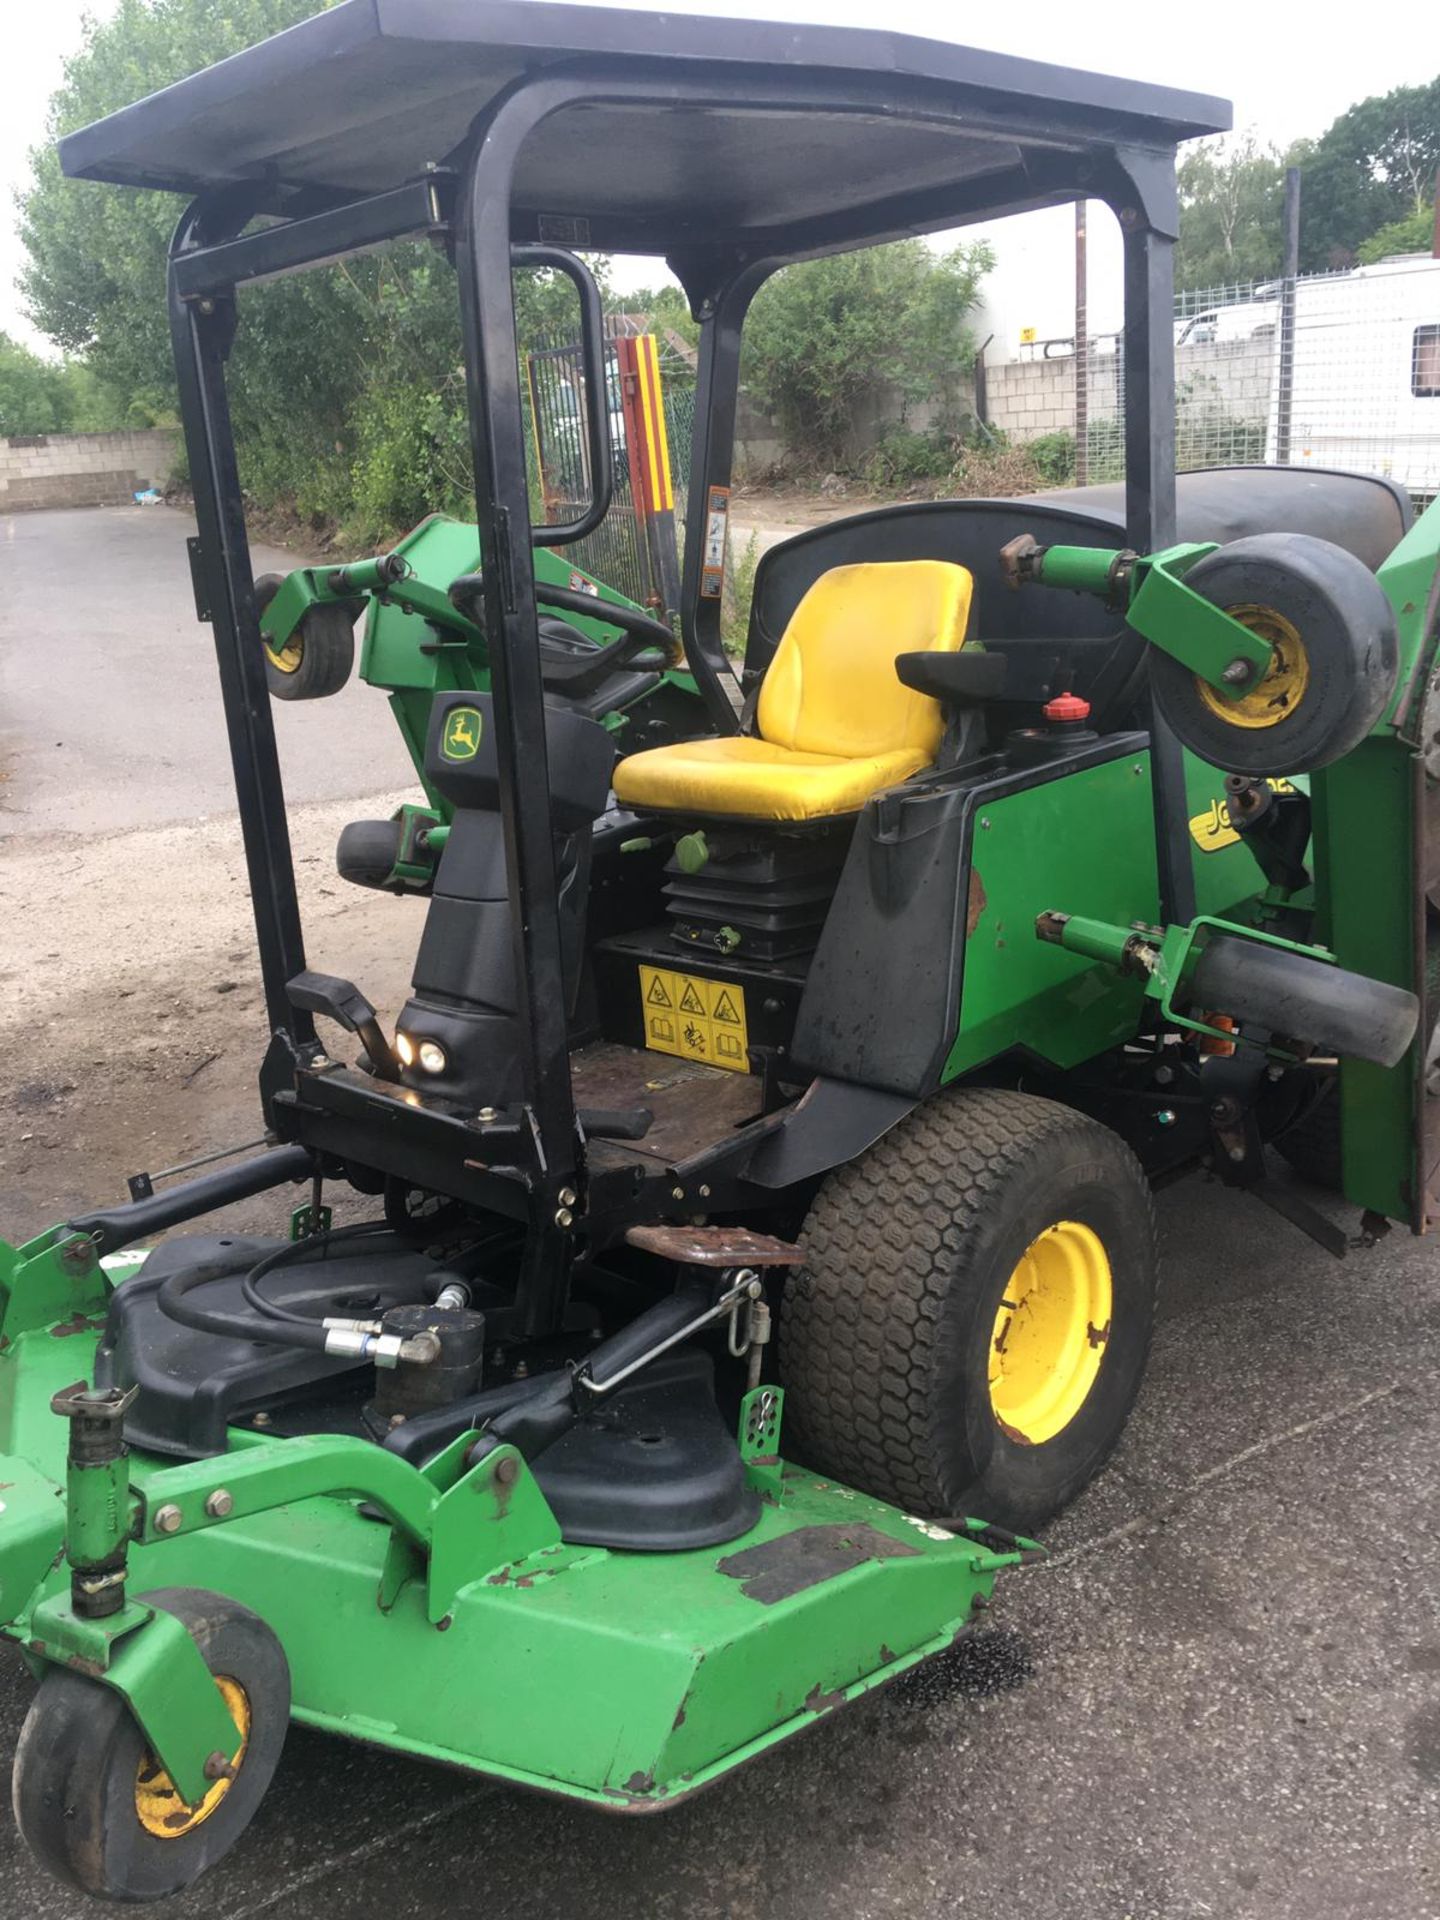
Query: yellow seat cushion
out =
(834, 722)
(757, 780)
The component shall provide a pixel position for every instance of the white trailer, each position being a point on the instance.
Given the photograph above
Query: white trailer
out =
(1366, 378)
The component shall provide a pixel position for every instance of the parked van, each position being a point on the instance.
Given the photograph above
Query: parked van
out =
(1366, 386)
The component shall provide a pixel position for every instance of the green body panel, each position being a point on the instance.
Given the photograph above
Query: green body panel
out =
(1369, 828)
(1084, 842)
(1370, 903)
(468, 1631)
(52, 1277)
(399, 651)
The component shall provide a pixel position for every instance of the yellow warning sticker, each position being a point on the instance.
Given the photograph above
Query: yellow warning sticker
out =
(694, 1018)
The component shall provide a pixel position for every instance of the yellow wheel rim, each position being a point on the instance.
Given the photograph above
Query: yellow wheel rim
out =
(158, 1807)
(288, 659)
(1050, 1333)
(1275, 697)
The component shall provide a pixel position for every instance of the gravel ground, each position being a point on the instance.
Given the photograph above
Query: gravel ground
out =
(1220, 1696)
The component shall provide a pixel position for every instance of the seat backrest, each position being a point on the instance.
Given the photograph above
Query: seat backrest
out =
(832, 687)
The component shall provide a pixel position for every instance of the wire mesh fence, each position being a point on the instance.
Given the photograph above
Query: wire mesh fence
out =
(557, 403)
(556, 399)
(1340, 370)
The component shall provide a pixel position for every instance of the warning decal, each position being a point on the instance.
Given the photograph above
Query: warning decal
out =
(695, 1018)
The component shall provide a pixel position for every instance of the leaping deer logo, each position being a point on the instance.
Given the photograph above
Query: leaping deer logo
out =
(462, 734)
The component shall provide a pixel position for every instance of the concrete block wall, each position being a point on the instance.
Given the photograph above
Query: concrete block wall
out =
(760, 444)
(1027, 398)
(83, 469)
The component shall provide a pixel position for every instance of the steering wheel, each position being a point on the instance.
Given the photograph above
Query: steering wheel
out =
(646, 645)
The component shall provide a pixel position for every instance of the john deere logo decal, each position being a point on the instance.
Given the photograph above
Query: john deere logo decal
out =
(1212, 829)
(461, 738)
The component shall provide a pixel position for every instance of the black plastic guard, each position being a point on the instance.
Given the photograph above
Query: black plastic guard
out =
(192, 1384)
(655, 1470)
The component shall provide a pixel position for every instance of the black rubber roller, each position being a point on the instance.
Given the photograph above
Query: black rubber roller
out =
(1302, 999)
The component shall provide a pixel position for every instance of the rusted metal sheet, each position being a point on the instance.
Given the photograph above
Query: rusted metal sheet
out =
(806, 1557)
(694, 1107)
(715, 1246)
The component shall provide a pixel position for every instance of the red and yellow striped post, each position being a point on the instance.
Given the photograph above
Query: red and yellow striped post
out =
(647, 446)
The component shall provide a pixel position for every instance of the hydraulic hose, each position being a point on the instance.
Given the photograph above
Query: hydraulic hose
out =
(266, 1327)
(294, 1253)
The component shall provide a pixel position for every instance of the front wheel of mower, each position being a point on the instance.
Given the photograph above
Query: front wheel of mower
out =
(971, 1325)
(1334, 666)
(91, 1801)
(317, 659)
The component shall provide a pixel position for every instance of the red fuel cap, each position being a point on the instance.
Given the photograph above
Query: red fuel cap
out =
(1067, 706)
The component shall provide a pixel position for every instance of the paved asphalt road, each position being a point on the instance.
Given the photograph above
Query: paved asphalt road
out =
(1220, 1697)
(109, 696)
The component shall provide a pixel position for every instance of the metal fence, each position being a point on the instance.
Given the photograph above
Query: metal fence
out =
(561, 484)
(555, 400)
(1345, 372)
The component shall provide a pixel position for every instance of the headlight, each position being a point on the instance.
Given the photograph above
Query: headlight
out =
(405, 1047)
(432, 1056)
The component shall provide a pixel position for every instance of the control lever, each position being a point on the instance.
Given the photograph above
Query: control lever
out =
(559, 1399)
(745, 1291)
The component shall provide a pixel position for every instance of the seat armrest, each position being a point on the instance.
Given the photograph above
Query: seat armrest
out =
(965, 679)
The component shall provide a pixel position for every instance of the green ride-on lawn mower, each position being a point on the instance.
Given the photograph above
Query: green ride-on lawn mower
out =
(761, 1168)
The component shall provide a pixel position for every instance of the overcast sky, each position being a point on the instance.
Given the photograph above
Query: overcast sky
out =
(1289, 70)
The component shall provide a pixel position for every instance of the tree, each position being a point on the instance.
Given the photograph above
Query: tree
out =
(95, 282)
(1414, 234)
(1231, 214)
(52, 396)
(33, 395)
(668, 311)
(823, 333)
(1374, 165)
(345, 382)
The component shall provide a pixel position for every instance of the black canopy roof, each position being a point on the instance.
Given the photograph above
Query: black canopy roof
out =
(362, 98)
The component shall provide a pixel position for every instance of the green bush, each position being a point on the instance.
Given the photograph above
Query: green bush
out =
(1054, 458)
(904, 456)
(739, 592)
(821, 334)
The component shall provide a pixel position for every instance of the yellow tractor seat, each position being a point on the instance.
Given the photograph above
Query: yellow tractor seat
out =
(833, 722)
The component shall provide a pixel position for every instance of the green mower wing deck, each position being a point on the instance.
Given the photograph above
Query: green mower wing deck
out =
(475, 1633)
(757, 1180)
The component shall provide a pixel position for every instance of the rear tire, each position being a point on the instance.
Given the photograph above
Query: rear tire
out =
(891, 1335)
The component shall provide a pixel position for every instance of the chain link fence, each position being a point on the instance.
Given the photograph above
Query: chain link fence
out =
(1343, 370)
(555, 399)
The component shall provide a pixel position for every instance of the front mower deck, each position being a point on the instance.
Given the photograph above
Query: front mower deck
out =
(477, 1635)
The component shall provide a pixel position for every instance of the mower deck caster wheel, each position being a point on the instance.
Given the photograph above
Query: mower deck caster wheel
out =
(317, 659)
(1334, 665)
(93, 1804)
